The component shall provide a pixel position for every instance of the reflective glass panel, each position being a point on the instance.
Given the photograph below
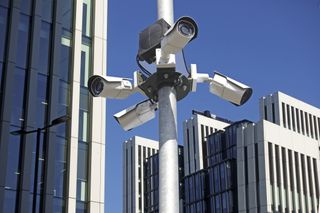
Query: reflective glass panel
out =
(1, 65)
(46, 10)
(82, 171)
(9, 201)
(23, 40)
(81, 207)
(3, 31)
(65, 59)
(58, 205)
(82, 161)
(25, 6)
(4, 3)
(17, 108)
(13, 170)
(60, 167)
(42, 102)
(85, 65)
(83, 126)
(67, 11)
(44, 47)
(86, 18)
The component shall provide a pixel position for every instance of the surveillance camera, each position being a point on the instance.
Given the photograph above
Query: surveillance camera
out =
(178, 36)
(111, 87)
(171, 39)
(136, 115)
(229, 89)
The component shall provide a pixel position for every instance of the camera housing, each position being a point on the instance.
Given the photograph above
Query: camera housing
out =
(230, 89)
(171, 39)
(136, 115)
(178, 36)
(108, 86)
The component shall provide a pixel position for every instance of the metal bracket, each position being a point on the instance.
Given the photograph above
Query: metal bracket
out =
(166, 77)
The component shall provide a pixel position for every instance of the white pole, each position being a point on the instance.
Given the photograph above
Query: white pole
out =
(165, 10)
(168, 153)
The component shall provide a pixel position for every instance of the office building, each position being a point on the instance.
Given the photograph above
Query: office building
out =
(195, 130)
(268, 166)
(48, 49)
(214, 189)
(135, 152)
(151, 182)
(291, 114)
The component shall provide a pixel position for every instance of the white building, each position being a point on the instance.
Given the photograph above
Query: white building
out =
(195, 131)
(278, 158)
(291, 113)
(135, 151)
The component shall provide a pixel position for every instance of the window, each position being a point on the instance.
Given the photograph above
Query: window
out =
(1, 66)
(23, 41)
(288, 116)
(82, 171)
(298, 120)
(265, 113)
(306, 122)
(284, 115)
(44, 47)
(304, 179)
(85, 65)
(13, 170)
(58, 205)
(273, 114)
(42, 100)
(46, 10)
(315, 127)
(60, 167)
(81, 207)
(302, 121)
(25, 6)
(316, 177)
(17, 110)
(4, 3)
(3, 31)
(67, 14)
(65, 58)
(86, 22)
(311, 125)
(293, 119)
(285, 176)
(10, 201)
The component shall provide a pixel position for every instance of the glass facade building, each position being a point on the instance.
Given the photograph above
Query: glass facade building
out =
(48, 49)
(214, 189)
(151, 182)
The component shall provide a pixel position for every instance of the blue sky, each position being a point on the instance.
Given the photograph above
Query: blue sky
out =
(270, 45)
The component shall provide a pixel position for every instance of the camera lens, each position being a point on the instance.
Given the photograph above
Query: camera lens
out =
(186, 28)
(97, 86)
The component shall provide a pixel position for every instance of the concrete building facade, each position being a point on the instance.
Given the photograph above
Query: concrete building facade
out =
(275, 162)
(136, 150)
(195, 130)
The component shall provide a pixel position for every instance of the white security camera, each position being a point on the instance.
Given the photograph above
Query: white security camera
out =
(178, 36)
(229, 89)
(111, 87)
(222, 86)
(136, 115)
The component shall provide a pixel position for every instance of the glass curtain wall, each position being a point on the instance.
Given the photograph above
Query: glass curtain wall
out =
(84, 114)
(64, 103)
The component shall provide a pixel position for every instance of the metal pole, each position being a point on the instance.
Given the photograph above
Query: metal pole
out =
(165, 10)
(168, 153)
(35, 183)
